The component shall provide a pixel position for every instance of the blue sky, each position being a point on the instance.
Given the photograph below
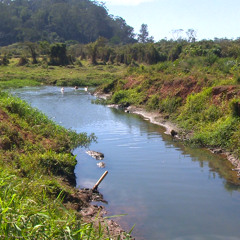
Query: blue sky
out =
(209, 18)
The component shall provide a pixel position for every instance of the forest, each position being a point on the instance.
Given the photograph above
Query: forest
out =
(82, 21)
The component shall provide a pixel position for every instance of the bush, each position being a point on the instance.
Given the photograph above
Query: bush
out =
(197, 102)
(170, 104)
(235, 107)
(23, 61)
(153, 102)
(128, 97)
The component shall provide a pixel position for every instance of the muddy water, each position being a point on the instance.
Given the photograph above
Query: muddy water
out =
(168, 190)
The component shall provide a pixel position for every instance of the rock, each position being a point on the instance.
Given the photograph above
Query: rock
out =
(101, 164)
(217, 151)
(173, 133)
(96, 155)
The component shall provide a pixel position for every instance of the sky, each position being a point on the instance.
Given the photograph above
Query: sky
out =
(209, 18)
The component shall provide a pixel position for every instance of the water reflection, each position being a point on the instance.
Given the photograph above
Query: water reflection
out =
(169, 190)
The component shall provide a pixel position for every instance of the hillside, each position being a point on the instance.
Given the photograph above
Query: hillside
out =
(81, 21)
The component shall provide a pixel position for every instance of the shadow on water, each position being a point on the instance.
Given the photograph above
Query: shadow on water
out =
(218, 164)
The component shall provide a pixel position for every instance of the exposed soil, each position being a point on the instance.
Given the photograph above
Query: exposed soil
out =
(226, 93)
(177, 87)
(95, 213)
(180, 88)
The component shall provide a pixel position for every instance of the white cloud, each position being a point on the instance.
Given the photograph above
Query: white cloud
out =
(126, 2)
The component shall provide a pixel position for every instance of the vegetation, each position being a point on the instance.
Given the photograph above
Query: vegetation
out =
(80, 21)
(37, 177)
(195, 84)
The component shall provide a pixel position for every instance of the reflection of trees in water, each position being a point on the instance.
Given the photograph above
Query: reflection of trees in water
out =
(217, 164)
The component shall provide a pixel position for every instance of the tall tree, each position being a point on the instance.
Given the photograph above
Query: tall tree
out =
(143, 35)
(191, 33)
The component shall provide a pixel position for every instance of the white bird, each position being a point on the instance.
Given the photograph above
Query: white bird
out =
(62, 89)
(86, 89)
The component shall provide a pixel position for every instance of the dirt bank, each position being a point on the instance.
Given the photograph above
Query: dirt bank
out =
(83, 201)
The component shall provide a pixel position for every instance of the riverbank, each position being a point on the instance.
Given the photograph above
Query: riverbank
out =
(156, 117)
(37, 171)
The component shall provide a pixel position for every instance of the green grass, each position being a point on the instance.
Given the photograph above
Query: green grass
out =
(36, 168)
(18, 83)
(31, 75)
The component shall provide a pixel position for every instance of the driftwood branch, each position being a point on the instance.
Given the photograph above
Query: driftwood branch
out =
(100, 180)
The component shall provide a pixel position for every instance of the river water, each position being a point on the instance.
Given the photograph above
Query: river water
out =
(170, 191)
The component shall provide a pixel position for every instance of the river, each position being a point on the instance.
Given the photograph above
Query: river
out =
(170, 191)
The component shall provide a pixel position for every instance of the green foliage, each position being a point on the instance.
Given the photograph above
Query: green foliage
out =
(18, 83)
(153, 102)
(86, 21)
(170, 104)
(175, 52)
(23, 61)
(218, 134)
(28, 213)
(58, 54)
(211, 58)
(67, 139)
(128, 97)
(235, 107)
(195, 103)
(4, 61)
(33, 172)
(50, 162)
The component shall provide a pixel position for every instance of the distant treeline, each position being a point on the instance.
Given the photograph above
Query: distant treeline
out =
(59, 21)
(102, 51)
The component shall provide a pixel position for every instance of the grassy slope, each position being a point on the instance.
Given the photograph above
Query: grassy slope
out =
(37, 176)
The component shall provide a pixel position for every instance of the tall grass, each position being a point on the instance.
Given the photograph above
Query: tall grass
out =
(24, 214)
(36, 170)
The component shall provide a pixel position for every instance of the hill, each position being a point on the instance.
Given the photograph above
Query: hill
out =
(60, 20)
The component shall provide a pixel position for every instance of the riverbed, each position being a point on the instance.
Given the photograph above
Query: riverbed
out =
(170, 191)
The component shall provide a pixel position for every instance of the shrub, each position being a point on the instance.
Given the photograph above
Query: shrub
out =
(128, 97)
(218, 134)
(170, 104)
(235, 107)
(22, 61)
(197, 102)
(153, 102)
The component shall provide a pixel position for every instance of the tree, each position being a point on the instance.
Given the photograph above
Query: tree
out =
(176, 33)
(59, 21)
(58, 54)
(191, 33)
(93, 49)
(143, 35)
(175, 52)
(32, 48)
